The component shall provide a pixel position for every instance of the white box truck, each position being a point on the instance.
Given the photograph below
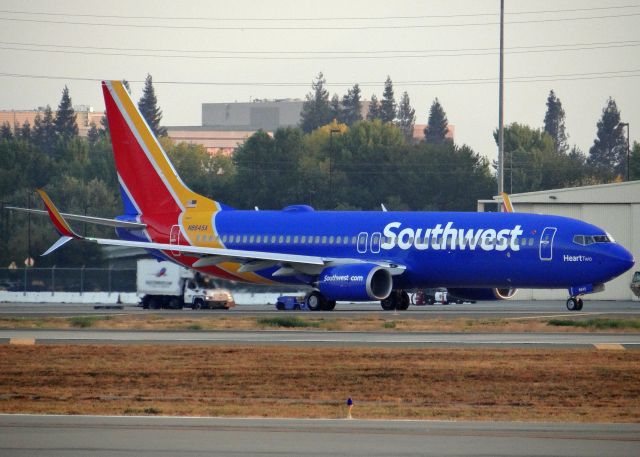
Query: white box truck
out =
(168, 285)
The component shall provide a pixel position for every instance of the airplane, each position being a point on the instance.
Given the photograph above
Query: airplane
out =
(341, 255)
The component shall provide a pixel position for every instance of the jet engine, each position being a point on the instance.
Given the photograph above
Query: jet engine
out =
(483, 294)
(357, 282)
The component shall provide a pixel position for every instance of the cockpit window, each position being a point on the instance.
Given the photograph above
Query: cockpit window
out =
(585, 240)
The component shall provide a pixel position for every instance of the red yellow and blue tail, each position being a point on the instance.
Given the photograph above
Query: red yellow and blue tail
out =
(148, 182)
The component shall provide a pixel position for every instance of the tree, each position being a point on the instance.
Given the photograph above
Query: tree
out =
(315, 109)
(65, 122)
(634, 162)
(5, 132)
(406, 117)
(335, 108)
(352, 106)
(93, 135)
(388, 103)
(25, 131)
(374, 109)
(44, 131)
(554, 123)
(436, 130)
(148, 106)
(609, 150)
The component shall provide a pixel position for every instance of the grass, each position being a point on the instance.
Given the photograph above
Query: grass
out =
(86, 321)
(276, 381)
(287, 322)
(597, 324)
(373, 322)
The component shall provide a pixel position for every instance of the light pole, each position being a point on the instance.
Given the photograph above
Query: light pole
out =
(501, 105)
(331, 132)
(626, 124)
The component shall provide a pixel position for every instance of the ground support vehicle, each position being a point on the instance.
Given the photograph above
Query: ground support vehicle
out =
(168, 285)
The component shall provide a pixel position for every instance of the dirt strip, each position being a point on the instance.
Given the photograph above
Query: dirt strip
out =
(532, 385)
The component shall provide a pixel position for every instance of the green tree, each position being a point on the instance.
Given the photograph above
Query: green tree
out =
(634, 162)
(352, 106)
(608, 153)
(406, 117)
(148, 106)
(65, 121)
(374, 109)
(554, 123)
(5, 132)
(93, 134)
(25, 131)
(388, 103)
(44, 131)
(315, 109)
(437, 126)
(336, 108)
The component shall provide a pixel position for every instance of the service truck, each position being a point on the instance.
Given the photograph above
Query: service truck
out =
(167, 285)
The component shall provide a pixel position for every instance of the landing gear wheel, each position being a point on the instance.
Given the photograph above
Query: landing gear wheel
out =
(328, 305)
(580, 304)
(315, 301)
(388, 304)
(572, 304)
(403, 301)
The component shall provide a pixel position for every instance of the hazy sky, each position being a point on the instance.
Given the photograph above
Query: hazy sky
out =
(444, 49)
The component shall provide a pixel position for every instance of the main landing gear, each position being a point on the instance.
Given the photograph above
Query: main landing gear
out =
(315, 301)
(574, 304)
(398, 299)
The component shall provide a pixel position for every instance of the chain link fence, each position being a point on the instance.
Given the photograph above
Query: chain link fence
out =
(67, 280)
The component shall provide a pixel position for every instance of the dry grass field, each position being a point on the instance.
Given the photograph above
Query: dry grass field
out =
(533, 385)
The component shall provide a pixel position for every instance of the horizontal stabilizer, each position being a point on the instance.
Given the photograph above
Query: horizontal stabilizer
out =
(61, 242)
(87, 219)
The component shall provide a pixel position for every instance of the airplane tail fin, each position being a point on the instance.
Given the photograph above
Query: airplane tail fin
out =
(148, 182)
(506, 203)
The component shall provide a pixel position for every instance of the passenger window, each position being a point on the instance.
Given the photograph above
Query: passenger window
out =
(288, 239)
(244, 238)
(317, 240)
(295, 239)
(353, 240)
(303, 239)
(331, 240)
(280, 239)
(258, 239)
(530, 241)
(324, 240)
(224, 238)
(273, 239)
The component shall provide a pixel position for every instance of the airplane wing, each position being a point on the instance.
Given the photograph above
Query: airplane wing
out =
(252, 260)
(88, 219)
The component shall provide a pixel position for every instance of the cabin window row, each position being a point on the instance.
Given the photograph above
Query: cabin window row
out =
(341, 240)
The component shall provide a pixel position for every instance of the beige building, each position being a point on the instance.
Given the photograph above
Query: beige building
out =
(84, 117)
(612, 207)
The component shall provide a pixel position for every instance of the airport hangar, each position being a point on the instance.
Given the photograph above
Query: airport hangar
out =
(613, 207)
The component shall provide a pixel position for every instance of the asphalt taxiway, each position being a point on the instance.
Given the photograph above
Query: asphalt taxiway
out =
(326, 338)
(480, 310)
(96, 436)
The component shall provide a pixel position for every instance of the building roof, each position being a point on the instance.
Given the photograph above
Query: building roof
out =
(623, 192)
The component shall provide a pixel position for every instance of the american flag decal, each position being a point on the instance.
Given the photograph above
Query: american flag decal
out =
(192, 203)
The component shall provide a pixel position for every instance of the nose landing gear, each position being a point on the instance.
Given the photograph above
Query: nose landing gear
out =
(574, 304)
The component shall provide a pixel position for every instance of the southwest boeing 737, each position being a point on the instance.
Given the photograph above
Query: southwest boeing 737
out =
(340, 255)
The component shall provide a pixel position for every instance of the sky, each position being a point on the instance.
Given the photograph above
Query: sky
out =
(585, 50)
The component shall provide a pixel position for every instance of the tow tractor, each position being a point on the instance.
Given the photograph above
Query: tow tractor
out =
(291, 303)
(635, 284)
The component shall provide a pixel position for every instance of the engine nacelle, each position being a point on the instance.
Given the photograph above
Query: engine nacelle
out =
(355, 282)
(483, 294)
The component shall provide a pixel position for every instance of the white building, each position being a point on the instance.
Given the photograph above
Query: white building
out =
(612, 207)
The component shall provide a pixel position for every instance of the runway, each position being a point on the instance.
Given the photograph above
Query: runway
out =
(328, 338)
(480, 310)
(25, 435)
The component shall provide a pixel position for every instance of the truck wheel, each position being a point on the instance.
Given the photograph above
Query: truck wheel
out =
(174, 303)
(154, 303)
(280, 306)
(197, 304)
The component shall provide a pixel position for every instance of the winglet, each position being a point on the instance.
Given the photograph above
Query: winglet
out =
(62, 225)
(506, 203)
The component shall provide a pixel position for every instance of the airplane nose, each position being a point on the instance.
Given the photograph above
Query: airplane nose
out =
(623, 259)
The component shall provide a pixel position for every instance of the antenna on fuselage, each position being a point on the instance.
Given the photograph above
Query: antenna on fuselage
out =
(384, 208)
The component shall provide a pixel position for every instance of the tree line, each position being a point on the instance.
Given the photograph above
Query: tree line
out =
(341, 162)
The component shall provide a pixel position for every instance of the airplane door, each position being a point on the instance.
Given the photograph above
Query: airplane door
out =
(174, 238)
(375, 242)
(363, 237)
(546, 243)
